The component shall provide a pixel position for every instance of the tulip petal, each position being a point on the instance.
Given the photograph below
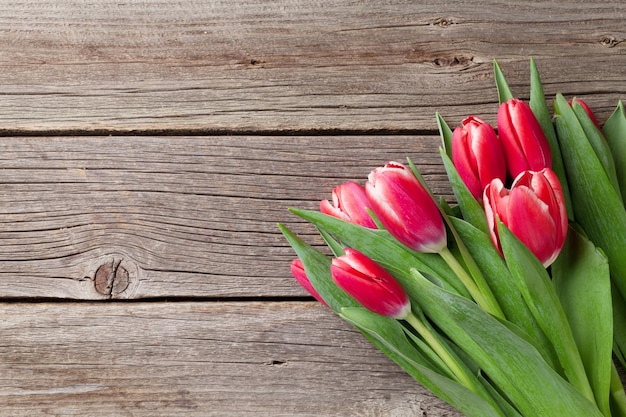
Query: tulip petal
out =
(465, 161)
(327, 208)
(531, 222)
(491, 159)
(496, 202)
(546, 186)
(530, 136)
(477, 154)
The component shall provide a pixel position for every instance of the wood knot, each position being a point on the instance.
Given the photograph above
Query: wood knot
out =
(609, 41)
(111, 279)
(456, 61)
(443, 22)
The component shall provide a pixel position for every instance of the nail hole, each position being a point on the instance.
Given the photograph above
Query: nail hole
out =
(275, 362)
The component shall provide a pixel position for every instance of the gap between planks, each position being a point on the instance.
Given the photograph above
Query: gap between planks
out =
(216, 132)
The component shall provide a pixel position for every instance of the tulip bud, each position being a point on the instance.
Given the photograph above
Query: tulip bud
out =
(405, 208)
(350, 203)
(533, 209)
(297, 270)
(370, 284)
(587, 110)
(523, 141)
(477, 155)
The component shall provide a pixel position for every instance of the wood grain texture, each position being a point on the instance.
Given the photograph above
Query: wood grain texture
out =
(197, 359)
(294, 65)
(241, 109)
(184, 216)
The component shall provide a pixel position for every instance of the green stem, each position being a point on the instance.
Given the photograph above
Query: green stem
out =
(436, 345)
(485, 299)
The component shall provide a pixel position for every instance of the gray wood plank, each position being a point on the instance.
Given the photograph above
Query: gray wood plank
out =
(294, 65)
(197, 359)
(183, 216)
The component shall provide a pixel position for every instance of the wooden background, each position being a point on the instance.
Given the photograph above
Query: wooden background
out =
(149, 148)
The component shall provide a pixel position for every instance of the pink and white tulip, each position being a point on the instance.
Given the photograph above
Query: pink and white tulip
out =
(405, 208)
(477, 155)
(349, 203)
(523, 141)
(533, 209)
(370, 284)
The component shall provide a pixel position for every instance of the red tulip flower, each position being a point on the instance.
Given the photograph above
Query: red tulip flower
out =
(370, 284)
(525, 145)
(477, 155)
(350, 203)
(405, 208)
(297, 270)
(533, 209)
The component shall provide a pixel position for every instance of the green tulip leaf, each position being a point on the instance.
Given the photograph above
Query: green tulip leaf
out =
(583, 283)
(446, 135)
(470, 208)
(317, 269)
(597, 207)
(540, 296)
(386, 250)
(619, 326)
(504, 287)
(389, 336)
(504, 404)
(504, 92)
(598, 143)
(539, 106)
(429, 353)
(386, 334)
(614, 130)
(333, 244)
(512, 364)
(617, 399)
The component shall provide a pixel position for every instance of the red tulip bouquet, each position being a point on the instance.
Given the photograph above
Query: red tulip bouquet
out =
(510, 302)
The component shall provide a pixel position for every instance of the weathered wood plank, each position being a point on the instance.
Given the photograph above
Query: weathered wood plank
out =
(197, 359)
(250, 65)
(184, 216)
